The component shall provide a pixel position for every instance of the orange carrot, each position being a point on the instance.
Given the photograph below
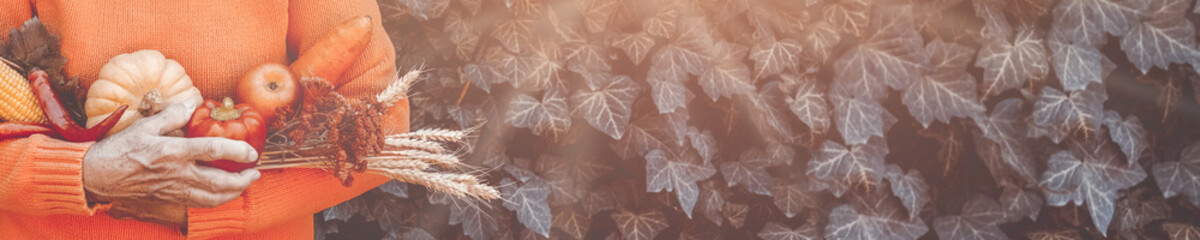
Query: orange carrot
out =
(330, 56)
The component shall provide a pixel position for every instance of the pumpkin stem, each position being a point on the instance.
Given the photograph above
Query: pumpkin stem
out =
(151, 103)
(226, 111)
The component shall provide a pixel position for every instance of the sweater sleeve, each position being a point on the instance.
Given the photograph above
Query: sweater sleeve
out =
(284, 195)
(15, 13)
(40, 175)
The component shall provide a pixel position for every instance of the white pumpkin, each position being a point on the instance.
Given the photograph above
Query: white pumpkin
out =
(128, 78)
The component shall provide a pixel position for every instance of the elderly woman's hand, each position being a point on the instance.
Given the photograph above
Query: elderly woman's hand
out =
(141, 165)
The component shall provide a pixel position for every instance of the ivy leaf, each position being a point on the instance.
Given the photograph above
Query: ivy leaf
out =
(1095, 178)
(910, 188)
(478, 219)
(541, 65)
(572, 221)
(861, 164)
(608, 108)
(766, 111)
(735, 213)
(1019, 202)
(849, 16)
(1078, 64)
(1009, 65)
(819, 40)
(669, 95)
(635, 45)
(462, 33)
(791, 197)
(587, 57)
(1004, 142)
(345, 210)
(894, 56)
(1069, 234)
(1080, 111)
(858, 118)
(704, 143)
(648, 132)
(662, 24)
(779, 231)
(395, 188)
(1127, 133)
(1179, 177)
(979, 220)
(413, 234)
(677, 173)
(1163, 37)
(514, 33)
(1136, 210)
(640, 226)
(529, 201)
(810, 104)
(597, 13)
(548, 117)
(426, 10)
(712, 200)
(946, 90)
(1181, 231)
(728, 75)
(879, 220)
(772, 56)
(1087, 21)
(686, 54)
(995, 22)
(748, 173)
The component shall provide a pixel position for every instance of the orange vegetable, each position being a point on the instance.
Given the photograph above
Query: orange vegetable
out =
(330, 56)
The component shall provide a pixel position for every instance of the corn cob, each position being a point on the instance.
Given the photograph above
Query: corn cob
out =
(17, 102)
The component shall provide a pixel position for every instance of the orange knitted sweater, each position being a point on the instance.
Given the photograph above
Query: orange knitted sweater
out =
(41, 193)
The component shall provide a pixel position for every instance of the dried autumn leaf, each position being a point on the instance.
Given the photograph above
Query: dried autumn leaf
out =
(677, 173)
(979, 220)
(640, 226)
(1008, 65)
(892, 56)
(548, 117)
(779, 231)
(1082, 110)
(1087, 21)
(946, 90)
(608, 108)
(1179, 177)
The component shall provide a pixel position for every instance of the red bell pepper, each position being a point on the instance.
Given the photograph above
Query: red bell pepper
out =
(227, 120)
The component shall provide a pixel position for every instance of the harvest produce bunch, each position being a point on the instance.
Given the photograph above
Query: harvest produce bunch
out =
(308, 123)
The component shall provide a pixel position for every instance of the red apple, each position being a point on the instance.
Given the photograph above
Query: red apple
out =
(268, 87)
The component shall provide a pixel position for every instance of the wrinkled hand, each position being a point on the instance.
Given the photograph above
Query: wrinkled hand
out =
(141, 165)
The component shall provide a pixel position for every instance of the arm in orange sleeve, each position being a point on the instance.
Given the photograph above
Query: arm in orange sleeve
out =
(285, 195)
(39, 175)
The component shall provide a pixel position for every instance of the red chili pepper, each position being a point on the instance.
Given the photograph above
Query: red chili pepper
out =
(20, 130)
(60, 118)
